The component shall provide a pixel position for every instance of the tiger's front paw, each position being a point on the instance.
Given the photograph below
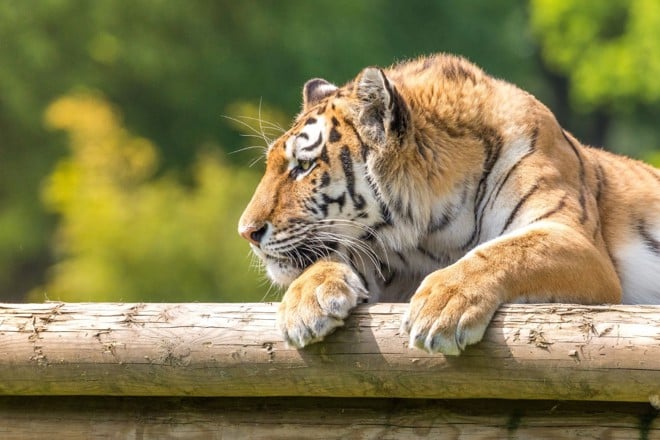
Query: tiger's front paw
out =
(317, 302)
(449, 312)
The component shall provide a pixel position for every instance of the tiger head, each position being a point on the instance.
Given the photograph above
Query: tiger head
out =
(318, 198)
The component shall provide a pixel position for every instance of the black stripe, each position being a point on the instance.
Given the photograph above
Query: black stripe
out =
(600, 176)
(532, 149)
(583, 183)
(401, 257)
(347, 164)
(493, 145)
(351, 258)
(403, 211)
(385, 213)
(436, 258)
(596, 229)
(421, 146)
(495, 194)
(334, 136)
(325, 179)
(425, 252)
(315, 144)
(399, 114)
(324, 155)
(364, 148)
(649, 241)
(554, 210)
(324, 209)
(493, 150)
(438, 224)
(340, 201)
(307, 254)
(519, 205)
(312, 208)
(454, 70)
(370, 234)
(473, 237)
(448, 217)
(398, 109)
(535, 136)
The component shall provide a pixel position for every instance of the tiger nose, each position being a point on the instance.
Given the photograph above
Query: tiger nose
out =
(254, 233)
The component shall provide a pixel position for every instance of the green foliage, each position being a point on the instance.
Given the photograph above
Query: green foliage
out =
(610, 50)
(174, 68)
(126, 217)
(126, 237)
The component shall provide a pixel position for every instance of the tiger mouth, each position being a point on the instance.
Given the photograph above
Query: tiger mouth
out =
(301, 256)
(283, 268)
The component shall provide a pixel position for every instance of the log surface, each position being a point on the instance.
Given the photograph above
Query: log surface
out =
(85, 418)
(567, 352)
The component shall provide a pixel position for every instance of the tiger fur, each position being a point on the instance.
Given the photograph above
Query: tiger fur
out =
(431, 181)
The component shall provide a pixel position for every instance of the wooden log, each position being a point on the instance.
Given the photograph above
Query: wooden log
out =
(83, 418)
(568, 352)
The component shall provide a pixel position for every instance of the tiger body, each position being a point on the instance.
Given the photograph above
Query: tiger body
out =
(434, 183)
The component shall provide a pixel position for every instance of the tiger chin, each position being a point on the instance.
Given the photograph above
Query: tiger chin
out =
(434, 183)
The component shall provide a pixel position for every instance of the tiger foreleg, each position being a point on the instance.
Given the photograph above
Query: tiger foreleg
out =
(318, 301)
(542, 262)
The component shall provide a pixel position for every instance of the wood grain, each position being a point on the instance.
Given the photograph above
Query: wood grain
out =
(84, 418)
(567, 352)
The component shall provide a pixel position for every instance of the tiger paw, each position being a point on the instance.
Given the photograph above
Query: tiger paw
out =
(317, 302)
(448, 313)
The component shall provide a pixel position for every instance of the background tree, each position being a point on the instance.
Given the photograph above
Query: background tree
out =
(76, 224)
(607, 55)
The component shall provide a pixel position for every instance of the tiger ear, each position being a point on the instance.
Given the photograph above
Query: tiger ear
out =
(315, 90)
(383, 113)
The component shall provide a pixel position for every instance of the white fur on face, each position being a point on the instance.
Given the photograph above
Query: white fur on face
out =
(308, 144)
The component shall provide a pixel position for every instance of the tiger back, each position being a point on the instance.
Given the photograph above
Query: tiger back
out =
(434, 183)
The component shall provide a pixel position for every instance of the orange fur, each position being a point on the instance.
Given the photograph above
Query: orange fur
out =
(433, 178)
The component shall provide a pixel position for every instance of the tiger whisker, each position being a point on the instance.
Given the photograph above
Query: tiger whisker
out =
(315, 238)
(352, 243)
(251, 147)
(272, 286)
(258, 133)
(255, 161)
(361, 227)
(269, 124)
(243, 123)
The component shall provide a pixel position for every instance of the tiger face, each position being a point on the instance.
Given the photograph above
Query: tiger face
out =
(314, 201)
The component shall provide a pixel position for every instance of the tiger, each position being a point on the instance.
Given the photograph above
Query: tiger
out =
(434, 183)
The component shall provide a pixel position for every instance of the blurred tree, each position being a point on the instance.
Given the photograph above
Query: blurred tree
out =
(124, 237)
(174, 68)
(609, 51)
